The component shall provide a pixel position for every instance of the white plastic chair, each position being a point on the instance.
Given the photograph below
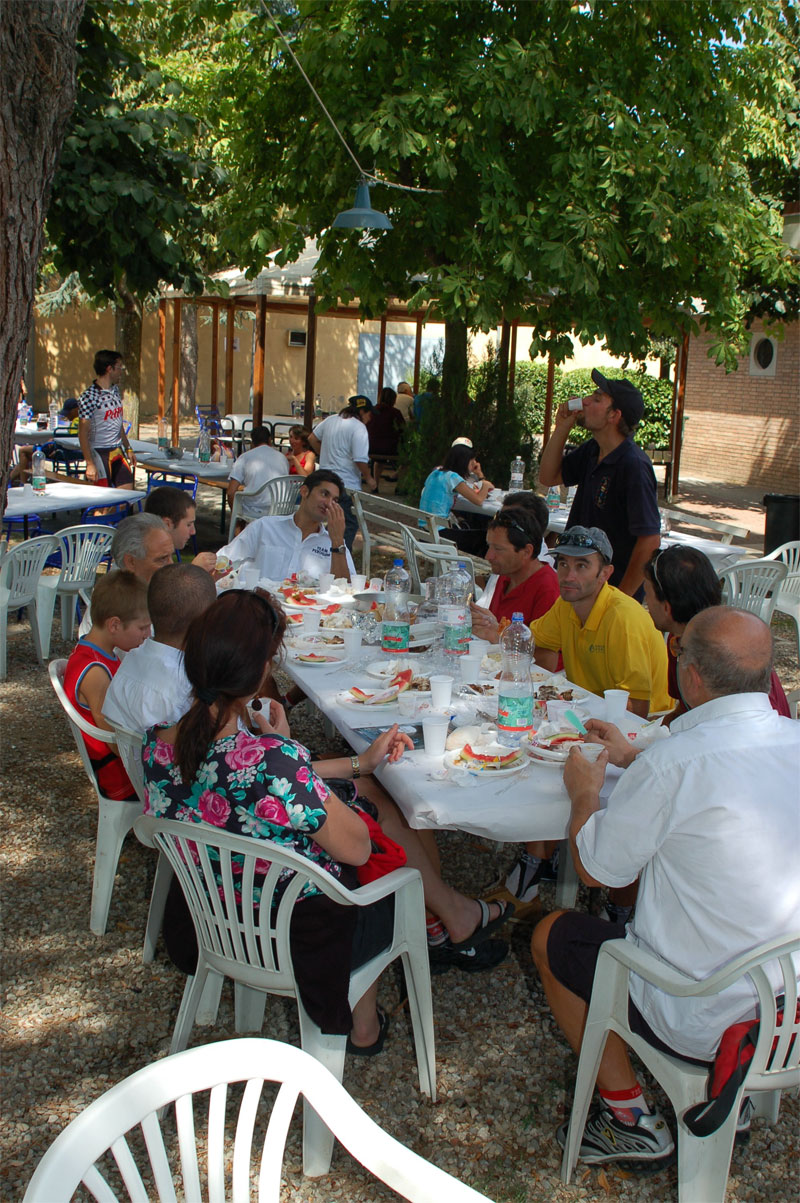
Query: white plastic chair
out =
(702, 1161)
(277, 496)
(114, 819)
(753, 585)
(442, 556)
(251, 945)
(254, 1143)
(82, 550)
(788, 595)
(20, 572)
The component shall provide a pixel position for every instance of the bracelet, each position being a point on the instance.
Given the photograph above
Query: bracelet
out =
(355, 765)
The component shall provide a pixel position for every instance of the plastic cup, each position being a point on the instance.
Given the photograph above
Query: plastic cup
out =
(358, 581)
(441, 692)
(434, 734)
(575, 404)
(352, 641)
(590, 751)
(311, 621)
(471, 669)
(325, 581)
(248, 576)
(478, 647)
(407, 703)
(556, 713)
(616, 705)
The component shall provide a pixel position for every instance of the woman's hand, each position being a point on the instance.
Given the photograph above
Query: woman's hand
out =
(390, 744)
(620, 752)
(271, 718)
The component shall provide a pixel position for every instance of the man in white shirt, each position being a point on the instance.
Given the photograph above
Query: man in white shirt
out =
(708, 819)
(153, 689)
(342, 444)
(260, 464)
(299, 542)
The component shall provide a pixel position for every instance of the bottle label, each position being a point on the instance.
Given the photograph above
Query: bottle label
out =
(204, 456)
(457, 629)
(395, 636)
(514, 714)
(39, 484)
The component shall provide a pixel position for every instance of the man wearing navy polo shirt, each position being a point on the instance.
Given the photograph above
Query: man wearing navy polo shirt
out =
(615, 479)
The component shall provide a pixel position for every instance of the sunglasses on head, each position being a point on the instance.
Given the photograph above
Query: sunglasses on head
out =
(654, 569)
(568, 540)
(505, 520)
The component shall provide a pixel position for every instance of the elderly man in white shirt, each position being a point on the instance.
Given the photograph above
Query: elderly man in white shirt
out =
(255, 468)
(298, 542)
(708, 820)
(152, 689)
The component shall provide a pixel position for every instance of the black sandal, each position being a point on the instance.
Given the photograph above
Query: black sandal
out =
(372, 1050)
(486, 927)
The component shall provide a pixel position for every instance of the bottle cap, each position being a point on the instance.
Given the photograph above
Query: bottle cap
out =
(398, 563)
(517, 617)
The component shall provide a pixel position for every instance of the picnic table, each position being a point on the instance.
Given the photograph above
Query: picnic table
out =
(60, 496)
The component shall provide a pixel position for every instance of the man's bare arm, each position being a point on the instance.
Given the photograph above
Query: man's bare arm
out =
(583, 781)
(545, 659)
(84, 426)
(553, 453)
(643, 548)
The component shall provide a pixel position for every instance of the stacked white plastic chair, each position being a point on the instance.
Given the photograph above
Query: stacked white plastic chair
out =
(702, 1161)
(114, 819)
(787, 600)
(83, 548)
(753, 585)
(101, 1145)
(21, 570)
(251, 944)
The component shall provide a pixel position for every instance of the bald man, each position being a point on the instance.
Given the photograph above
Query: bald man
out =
(708, 818)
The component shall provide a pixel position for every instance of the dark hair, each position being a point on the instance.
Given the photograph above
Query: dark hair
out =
(222, 667)
(168, 502)
(261, 436)
(686, 579)
(302, 433)
(521, 526)
(387, 398)
(104, 360)
(458, 460)
(177, 593)
(322, 476)
(530, 502)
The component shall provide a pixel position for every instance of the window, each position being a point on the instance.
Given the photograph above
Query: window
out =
(763, 356)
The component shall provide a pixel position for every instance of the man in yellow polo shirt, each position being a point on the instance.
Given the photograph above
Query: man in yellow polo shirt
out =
(607, 641)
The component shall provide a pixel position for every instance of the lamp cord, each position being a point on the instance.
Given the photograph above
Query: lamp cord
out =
(368, 176)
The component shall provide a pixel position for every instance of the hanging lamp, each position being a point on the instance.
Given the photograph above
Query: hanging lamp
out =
(362, 216)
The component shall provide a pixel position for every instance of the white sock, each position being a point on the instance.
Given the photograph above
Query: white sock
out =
(521, 881)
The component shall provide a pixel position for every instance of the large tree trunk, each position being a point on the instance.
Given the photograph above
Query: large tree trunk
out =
(454, 369)
(188, 382)
(37, 92)
(128, 341)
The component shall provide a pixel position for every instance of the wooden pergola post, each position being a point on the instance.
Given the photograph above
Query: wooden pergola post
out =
(229, 311)
(162, 355)
(311, 360)
(214, 352)
(512, 363)
(417, 353)
(381, 357)
(176, 371)
(258, 362)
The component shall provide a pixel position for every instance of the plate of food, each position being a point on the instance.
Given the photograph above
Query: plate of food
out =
(370, 696)
(552, 749)
(384, 670)
(491, 760)
(320, 639)
(310, 658)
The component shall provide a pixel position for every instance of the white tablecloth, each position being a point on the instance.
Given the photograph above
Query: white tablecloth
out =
(187, 465)
(26, 436)
(61, 496)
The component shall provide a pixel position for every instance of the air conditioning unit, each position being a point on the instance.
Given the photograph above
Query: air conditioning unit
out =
(296, 338)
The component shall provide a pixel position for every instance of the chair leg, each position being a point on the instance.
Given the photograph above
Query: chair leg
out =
(208, 1006)
(33, 618)
(114, 821)
(317, 1136)
(703, 1162)
(68, 604)
(45, 608)
(193, 993)
(766, 1104)
(249, 1006)
(3, 643)
(155, 915)
(420, 1007)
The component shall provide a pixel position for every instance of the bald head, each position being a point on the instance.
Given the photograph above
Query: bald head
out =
(730, 649)
(176, 595)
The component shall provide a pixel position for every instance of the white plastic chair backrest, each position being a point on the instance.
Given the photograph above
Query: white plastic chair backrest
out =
(77, 723)
(21, 567)
(746, 585)
(228, 1076)
(129, 746)
(442, 556)
(82, 549)
(228, 927)
(281, 494)
(788, 554)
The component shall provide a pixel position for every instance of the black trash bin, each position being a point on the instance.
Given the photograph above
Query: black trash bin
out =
(782, 523)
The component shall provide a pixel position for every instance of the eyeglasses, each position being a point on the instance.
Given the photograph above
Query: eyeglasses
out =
(572, 540)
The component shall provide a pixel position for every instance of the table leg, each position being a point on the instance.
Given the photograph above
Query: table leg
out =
(567, 882)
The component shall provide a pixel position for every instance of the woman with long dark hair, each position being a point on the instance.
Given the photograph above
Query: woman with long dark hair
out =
(439, 494)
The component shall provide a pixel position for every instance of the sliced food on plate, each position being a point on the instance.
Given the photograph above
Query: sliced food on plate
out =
(316, 658)
(487, 761)
(382, 697)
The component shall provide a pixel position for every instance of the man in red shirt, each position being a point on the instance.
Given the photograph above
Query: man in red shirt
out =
(523, 583)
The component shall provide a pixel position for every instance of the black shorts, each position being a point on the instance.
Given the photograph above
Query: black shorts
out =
(116, 469)
(573, 946)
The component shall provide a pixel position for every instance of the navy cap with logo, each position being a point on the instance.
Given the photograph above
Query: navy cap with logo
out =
(579, 540)
(359, 401)
(626, 397)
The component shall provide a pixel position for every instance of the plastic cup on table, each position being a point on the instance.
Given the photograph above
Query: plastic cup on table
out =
(556, 713)
(358, 581)
(471, 669)
(616, 705)
(325, 581)
(248, 576)
(441, 692)
(434, 734)
(311, 621)
(478, 647)
(352, 641)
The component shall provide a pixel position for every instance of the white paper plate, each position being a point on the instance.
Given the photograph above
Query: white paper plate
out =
(366, 708)
(450, 760)
(325, 658)
(384, 670)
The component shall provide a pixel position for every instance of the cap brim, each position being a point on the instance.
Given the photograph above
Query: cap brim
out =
(601, 382)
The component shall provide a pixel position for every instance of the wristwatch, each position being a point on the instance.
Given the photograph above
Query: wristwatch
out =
(339, 551)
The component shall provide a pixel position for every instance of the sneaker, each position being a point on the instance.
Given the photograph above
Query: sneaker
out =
(743, 1122)
(477, 958)
(605, 1138)
(548, 870)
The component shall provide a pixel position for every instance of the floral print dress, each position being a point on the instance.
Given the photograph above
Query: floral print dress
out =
(261, 786)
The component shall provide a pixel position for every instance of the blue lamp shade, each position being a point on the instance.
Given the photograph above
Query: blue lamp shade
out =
(362, 216)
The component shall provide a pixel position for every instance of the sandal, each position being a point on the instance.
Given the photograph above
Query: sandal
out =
(486, 927)
(371, 1050)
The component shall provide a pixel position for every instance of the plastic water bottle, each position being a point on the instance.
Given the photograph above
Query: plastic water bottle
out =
(515, 690)
(517, 474)
(53, 412)
(396, 625)
(454, 616)
(204, 445)
(553, 498)
(163, 439)
(38, 479)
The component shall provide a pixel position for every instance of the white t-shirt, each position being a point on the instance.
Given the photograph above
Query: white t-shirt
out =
(345, 443)
(152, 688)
(277, 547)
(254, 469)
(710, 819)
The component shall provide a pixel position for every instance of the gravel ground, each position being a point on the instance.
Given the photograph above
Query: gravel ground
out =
(81, 1012)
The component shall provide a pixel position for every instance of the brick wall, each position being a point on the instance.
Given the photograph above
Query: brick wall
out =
(744, 429)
